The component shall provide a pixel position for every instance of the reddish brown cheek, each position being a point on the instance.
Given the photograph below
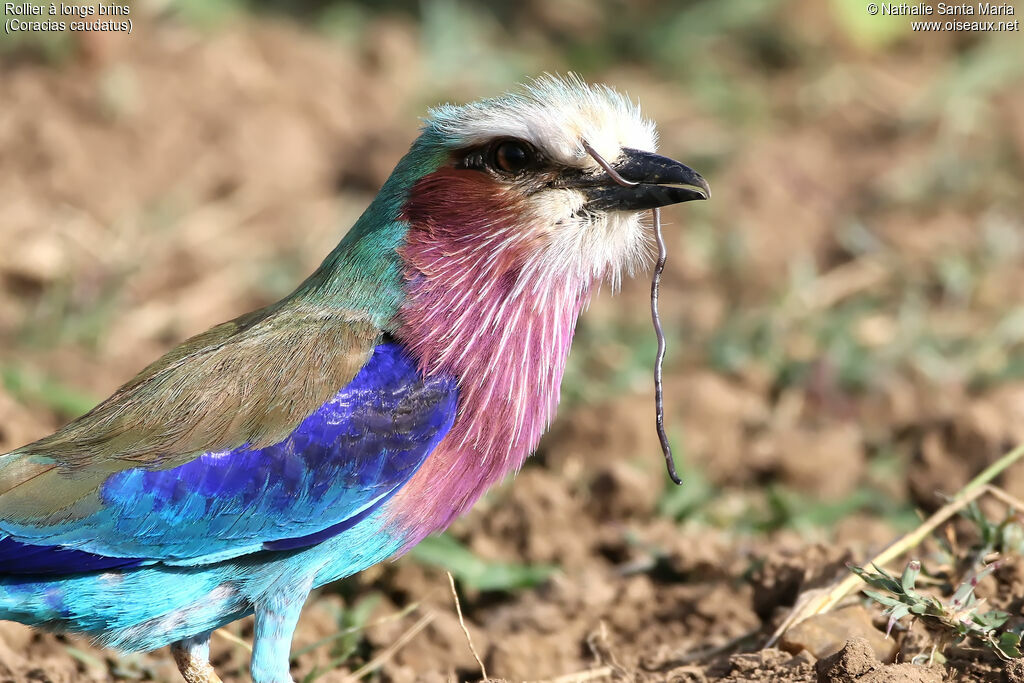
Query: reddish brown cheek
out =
(459, 201)
(464, 219)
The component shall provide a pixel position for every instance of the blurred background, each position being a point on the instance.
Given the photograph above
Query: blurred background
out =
(845, 316)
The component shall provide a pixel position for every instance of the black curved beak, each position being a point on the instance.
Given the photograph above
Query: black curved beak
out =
(659, 181)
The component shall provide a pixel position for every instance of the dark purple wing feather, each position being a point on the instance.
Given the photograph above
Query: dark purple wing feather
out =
(333, 470)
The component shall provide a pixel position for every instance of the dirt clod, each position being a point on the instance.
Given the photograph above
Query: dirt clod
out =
(1013, 672)
(856, 661)
(825, 634)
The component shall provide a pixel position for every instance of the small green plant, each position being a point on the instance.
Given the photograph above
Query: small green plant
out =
(1003, 537)
(963, 616)
(28, 387)
(447, 553)
(345, 641)
(960, 618)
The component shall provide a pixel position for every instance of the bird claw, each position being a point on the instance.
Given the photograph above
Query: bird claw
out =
(193, 661)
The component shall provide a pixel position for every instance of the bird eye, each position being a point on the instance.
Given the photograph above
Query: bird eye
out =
(511, 156)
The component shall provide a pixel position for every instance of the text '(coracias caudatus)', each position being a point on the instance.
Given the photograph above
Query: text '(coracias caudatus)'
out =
(308, 440)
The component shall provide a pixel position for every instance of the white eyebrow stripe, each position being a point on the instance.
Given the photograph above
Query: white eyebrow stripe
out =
(555, 115)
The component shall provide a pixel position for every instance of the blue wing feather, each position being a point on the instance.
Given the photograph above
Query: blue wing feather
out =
(336, 467)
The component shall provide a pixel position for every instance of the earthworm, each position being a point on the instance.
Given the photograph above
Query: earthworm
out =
(659, 268)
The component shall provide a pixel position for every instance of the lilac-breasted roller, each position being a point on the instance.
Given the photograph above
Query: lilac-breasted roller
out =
(308, 440)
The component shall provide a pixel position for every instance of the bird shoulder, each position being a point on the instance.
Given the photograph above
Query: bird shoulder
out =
(250, 381)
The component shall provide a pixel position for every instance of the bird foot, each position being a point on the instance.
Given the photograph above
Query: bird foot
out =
(194, 667)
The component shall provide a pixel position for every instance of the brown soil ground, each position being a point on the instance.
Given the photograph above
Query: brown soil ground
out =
(154, 187)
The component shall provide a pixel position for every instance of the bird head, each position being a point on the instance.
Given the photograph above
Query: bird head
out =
(482, 249)
(519, 180)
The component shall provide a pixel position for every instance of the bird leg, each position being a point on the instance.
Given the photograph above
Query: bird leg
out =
(192, 656)
(276, 618)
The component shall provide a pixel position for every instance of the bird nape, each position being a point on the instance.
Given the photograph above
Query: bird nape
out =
(308, 440)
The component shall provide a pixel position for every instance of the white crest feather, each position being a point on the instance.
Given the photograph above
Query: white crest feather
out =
(555, 114)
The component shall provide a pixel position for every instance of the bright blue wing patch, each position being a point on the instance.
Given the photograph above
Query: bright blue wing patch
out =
(338, 466)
